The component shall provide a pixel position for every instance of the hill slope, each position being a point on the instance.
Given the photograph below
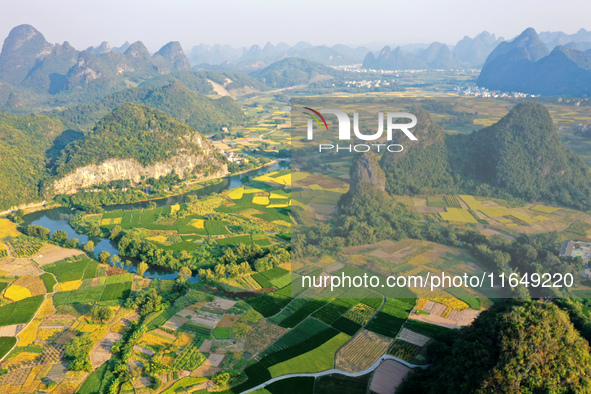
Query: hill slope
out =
(175, 100)
(293, 72)
(520, 156)
(131, 142)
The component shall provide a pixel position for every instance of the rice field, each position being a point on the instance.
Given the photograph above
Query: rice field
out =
(544, 208)
(362, 351)
(457, 215)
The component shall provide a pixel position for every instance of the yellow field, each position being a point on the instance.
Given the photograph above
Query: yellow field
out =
(261, 200)
(105, 222)
(278, 205)
(523, 218)
(17, 293)
(472, 203)
(544, 208)
(283, 180)
(298, 176)
(495, 212)
(67, 286)
(362, 351)
(116, 221)
(540, 218)
(275, 195)
(159, 238)
(174, 208)
(46, 309)
(236, 194)
(457, 215)
(198, 223)
(8, 229)
(29, 334)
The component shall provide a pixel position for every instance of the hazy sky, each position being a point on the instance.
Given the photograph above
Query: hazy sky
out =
(247, 22)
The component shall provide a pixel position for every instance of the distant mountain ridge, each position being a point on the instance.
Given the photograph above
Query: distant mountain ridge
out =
(526, 65)
(28, 60)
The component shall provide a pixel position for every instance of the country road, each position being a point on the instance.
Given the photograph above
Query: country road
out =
(333, 371)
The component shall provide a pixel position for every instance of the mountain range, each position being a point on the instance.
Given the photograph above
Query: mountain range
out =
(519, 156)
(28, 60)
(526, 65)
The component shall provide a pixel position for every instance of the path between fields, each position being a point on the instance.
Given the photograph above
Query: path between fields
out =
(335, 370)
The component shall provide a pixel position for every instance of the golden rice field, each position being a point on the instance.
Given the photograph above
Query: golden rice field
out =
(29, 334)
(457, 215)
(8, 229)
(544, 208)
(17, 293)
(362, 351)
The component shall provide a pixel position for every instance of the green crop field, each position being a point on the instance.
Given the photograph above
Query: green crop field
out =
(301, 314)
(275, 273)
(430, 330)
(304, 331)
(6, 344)
(332, 311)
(222, 333)
(390, 319)
(289, 310)
(215, 227)
(20, 312)
(282, 281)
(49, 281)
(261, 280)
(298, 385)
(339, 384)
(66, 271)
(116, 291)
(319, 359)
(231, 241)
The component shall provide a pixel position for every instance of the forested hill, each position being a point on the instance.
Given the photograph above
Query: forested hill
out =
(520, 156)
(134, 131)
(26, 144)
(494, 354)
(523, 155)
(187, 106)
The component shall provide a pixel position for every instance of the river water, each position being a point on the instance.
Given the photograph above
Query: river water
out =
(58, 218)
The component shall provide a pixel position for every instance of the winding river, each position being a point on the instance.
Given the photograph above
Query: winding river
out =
(58, 218)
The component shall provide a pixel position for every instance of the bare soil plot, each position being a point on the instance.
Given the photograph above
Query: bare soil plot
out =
(388, 376)
(101, 352)
(362, 351)
(175, 322)
(215, 359)
(262, 335)
(164, 334)
(228, 321)
(51, 253)
(11, 331)
(143, 350)
(220, 304)
(19, 267)
(205, 370)
(142, 382)
(206, 346)
(412, 337)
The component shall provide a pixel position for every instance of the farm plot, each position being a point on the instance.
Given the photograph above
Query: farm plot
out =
(362, 351)
(222, 333)
(232, 241)
(388, 376)
(338, 384)
(316, 360)
(215, 227)
(262, 335)
(289, 310)
(20, 312)
(390, 319)
(268, 305)
(190, 357)
(301, 314)
(66, 271)
(304, 331)
(457, 215)
(335, 309)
